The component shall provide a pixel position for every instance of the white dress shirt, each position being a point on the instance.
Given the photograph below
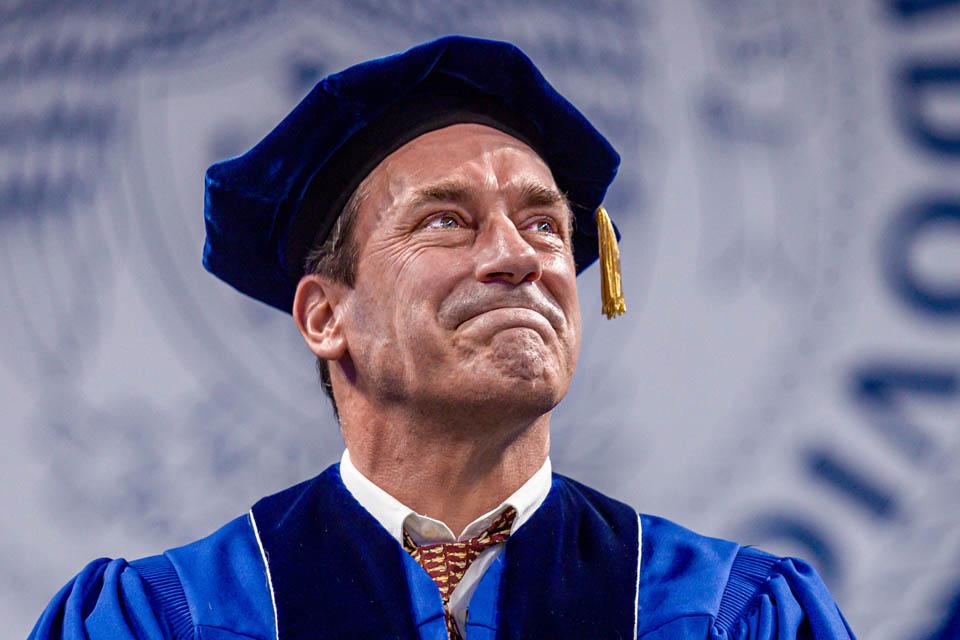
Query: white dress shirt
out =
(395, 516)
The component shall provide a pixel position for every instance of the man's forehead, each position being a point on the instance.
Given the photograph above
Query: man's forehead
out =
(462, 157)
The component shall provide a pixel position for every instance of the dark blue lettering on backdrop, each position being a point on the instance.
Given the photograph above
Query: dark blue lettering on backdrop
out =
(920, 82)
(882, 389)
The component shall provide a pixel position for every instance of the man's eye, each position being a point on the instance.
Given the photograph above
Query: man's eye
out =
(543, 226)
(445, 221)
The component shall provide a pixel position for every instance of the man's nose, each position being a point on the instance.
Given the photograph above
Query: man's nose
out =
(505, 255)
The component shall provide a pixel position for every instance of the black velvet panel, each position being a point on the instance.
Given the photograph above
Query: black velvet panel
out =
(336, 573)
(571, 570)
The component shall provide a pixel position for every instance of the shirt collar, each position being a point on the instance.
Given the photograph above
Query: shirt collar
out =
(393, 515)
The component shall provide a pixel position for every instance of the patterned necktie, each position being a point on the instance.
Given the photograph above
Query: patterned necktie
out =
(446, 562)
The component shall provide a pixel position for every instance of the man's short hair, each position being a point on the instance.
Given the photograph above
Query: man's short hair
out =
(336, 258)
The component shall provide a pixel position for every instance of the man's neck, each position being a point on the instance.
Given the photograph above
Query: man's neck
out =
(451, 475)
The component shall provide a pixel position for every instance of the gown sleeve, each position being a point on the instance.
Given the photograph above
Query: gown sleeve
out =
(107, 600)
(770, 598)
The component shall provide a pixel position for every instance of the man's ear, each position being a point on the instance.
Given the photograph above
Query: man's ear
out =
(317, 310)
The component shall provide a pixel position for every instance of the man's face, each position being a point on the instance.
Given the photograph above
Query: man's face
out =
(465, 293)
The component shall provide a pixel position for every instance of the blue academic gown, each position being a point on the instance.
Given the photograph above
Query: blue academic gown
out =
(334, 572)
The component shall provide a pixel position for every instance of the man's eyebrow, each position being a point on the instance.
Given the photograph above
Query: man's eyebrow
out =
(457, 191)
(536, 194)
(531, 194)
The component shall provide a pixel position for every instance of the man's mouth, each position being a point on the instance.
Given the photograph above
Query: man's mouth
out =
(522, 308)
(510, 317)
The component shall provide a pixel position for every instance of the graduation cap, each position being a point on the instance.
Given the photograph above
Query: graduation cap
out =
(267, 208)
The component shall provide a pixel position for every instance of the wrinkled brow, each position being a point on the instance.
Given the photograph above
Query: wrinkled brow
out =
(532, 194)
(536, 194)
(456, 191)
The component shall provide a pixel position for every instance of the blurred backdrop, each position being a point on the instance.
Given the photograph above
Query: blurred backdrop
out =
(788, 373)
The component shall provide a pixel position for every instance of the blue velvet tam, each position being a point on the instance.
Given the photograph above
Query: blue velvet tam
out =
(267, 208)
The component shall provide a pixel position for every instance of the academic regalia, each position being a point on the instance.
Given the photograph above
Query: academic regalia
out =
(313, 563)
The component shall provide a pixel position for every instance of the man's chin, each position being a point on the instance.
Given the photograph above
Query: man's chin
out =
(519, 354)
(512, 371)
(520, 384)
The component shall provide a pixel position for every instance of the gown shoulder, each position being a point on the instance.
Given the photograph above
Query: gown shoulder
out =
(694, 586)
(218, 584)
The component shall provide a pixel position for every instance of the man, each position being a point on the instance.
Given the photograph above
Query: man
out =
(423, 217)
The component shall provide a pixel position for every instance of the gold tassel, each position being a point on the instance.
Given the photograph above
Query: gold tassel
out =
(611, 290)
